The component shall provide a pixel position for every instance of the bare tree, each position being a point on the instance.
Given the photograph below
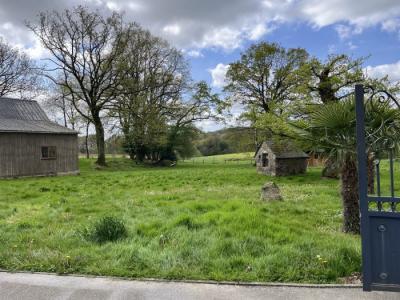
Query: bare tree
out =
(84, 46)
(18, 74)
(61, 107)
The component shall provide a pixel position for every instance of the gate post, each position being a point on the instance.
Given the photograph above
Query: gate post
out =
(362, 186)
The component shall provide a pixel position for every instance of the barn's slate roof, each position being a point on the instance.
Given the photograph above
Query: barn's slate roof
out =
(284, 149)
(27, 116)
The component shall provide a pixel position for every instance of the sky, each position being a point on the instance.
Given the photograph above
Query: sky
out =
(213, 33)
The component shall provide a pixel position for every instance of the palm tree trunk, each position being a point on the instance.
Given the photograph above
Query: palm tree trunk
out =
(351, 205)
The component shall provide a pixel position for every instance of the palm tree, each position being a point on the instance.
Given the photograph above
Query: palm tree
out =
(331, 128)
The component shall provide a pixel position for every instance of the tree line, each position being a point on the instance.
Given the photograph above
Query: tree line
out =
(102, 70)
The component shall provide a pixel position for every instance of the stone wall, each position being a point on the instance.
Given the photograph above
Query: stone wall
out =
(290, 166)
(270, 168)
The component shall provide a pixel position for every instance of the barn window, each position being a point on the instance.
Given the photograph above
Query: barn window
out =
(49, 152)
(265, 160)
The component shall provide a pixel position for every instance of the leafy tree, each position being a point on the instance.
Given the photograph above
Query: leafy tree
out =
(214, 145)
(154, 76)
(157, 99)
(227, 140)
(329, 81)
(180, 143)
(265, 77)
(334, 79)
(84, 46)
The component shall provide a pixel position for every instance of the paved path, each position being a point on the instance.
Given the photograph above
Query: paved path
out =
(23, 286)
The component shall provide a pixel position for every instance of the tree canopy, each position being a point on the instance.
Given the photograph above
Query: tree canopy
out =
(265, 77)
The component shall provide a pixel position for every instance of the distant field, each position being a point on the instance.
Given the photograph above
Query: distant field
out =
(192, 221)
(245, 157)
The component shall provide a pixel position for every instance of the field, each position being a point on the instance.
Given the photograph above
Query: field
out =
(193, 221)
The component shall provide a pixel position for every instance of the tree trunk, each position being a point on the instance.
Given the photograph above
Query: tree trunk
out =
(101, 155)
(351, 205)
(371, 173)
(87, 140)
(64, 112)
(140, 153)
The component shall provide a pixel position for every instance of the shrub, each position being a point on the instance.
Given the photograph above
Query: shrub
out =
(107, 229)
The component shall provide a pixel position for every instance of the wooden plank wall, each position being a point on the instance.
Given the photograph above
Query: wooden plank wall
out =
(20, 154)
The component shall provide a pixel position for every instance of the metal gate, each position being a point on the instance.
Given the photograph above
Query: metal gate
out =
(380, 212)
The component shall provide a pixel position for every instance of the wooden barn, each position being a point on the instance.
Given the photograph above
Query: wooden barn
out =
(32, 145)
(280, 159)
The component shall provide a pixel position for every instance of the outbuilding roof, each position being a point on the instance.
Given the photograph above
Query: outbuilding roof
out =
(284, 149)
(27, 116)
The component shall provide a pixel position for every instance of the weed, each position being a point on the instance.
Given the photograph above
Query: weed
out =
(107, 229)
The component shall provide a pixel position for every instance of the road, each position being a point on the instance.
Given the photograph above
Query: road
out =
(23, 286)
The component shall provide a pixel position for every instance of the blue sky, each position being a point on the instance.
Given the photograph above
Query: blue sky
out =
(381, 48)
(378, 46)
(213, 33)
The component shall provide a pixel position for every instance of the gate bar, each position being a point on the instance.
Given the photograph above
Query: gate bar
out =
(392, 206)
(362, 190)
(378, 186)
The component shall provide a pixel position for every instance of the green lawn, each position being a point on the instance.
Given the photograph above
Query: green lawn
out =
(193, 221)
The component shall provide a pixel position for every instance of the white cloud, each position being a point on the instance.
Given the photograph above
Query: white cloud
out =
(209, 125)
(391, 25)
(22, 39)
(225, 38)
(186, 24)
(356, 15)
(135, 6)
(113, 6)
(392, 70)
(218, 75)
(194, 53)
(173, 29)
(347, 31)
(369, 12)
(257, 32)
(226, 24)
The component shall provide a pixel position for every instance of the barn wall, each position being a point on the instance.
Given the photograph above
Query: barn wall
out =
(20, 154)
(290, 166)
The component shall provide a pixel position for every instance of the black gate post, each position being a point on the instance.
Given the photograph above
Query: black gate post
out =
(362, 186)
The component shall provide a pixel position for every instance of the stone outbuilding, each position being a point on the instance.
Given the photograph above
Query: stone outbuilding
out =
(32, 145)
(280, 159)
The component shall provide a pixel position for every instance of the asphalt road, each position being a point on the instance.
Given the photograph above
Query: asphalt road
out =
(23, 286)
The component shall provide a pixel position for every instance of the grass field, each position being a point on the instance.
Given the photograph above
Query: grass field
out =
(193, 221)
(245, 157)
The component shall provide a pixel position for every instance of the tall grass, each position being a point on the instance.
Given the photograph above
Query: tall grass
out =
(191, 221)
